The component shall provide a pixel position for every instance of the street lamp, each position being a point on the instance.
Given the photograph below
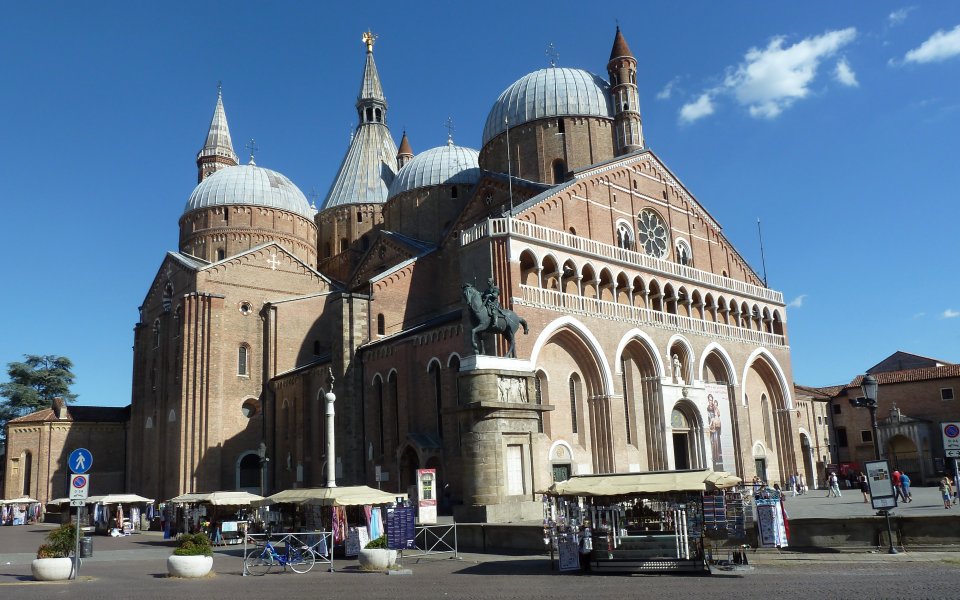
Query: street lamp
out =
(869, 400)
(869, 387)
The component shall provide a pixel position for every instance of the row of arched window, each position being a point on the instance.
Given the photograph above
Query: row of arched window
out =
(586, 280)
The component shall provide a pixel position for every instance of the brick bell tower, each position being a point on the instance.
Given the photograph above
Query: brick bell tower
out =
(622, 68)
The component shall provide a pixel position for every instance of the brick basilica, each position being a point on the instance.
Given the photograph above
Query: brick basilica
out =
(652, 344)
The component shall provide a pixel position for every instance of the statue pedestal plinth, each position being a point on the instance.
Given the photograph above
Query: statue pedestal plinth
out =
(481, 362)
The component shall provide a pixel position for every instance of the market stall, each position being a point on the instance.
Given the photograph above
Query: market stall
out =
(353, 514)
(641, 522)
(118, 514)
(224, 516)
(19, 511)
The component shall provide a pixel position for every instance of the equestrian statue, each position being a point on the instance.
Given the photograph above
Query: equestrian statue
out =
(487, 316)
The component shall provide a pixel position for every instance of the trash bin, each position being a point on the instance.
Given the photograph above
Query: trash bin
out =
(86, 547)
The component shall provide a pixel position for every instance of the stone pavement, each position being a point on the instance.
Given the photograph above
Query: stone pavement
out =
(815, 505)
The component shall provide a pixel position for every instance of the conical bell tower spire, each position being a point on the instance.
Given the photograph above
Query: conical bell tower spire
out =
(217, 151)
(628, 126)
(371, 103)
(405, 153)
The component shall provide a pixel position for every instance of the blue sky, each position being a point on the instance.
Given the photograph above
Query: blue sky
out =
(835, 124)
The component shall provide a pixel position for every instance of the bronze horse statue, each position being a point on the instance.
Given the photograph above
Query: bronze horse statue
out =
(482, 322)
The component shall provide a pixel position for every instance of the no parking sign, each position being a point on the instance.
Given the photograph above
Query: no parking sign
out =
(951, 439)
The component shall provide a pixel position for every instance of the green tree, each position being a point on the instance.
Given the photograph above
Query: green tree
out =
(33, 385)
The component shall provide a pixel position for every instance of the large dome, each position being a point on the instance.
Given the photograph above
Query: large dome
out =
(446, 165)
(250, 185)
(550, 92)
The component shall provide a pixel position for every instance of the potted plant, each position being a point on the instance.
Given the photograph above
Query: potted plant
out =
(375, 556)
(193, 556)
(53, 562)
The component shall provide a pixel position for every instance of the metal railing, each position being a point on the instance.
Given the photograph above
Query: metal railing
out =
(434, 539)
(319, 542)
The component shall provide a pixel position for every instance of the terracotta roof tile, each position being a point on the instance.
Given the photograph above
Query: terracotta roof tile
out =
(81, 414)
(910, 375)
(620, 47)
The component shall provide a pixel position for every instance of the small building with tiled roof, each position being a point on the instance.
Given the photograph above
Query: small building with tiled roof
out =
(39, 443)
(911, 404)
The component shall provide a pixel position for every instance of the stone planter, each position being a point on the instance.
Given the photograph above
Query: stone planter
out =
(377, 559)
(51, 569)
(189, 566)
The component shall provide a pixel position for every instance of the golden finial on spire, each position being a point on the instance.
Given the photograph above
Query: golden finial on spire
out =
(369, 38)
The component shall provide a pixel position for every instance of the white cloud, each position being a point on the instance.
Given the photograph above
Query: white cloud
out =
(899, 16)
(698, 109)
(772, 79)
(844, 74)
(667, 90)
(950, 314)
(797, 302)
(941, 46)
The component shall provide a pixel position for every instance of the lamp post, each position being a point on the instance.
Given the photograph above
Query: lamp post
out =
(331, 447)
(869, 401)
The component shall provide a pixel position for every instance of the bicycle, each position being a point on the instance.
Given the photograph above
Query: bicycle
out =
(260, 561)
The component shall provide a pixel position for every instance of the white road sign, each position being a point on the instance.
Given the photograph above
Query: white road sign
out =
(79, 487)
(951, 438)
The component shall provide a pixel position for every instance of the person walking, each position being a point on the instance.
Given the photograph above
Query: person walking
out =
(956, 486)
(864, 487)
(793, 484)
(897, 490)
(834, 485)
(905, 488)
(946, 491)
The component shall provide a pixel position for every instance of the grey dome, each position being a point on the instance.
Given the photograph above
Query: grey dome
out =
(251, 185)
(549, 92)
(446, 165)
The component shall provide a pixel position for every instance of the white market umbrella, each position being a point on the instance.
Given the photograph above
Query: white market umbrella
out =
(117, 499)
(20, 500)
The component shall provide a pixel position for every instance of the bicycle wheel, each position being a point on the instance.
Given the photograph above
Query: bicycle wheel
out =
(301, 560)
(259, 562)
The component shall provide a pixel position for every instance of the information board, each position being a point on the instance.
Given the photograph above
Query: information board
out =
(401, 528)
(882, 495)
(569, 555)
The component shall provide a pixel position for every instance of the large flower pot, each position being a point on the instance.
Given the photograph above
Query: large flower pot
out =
(189, 566)
(377, 559)
(51, 569)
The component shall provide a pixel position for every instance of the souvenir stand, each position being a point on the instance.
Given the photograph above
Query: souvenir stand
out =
(118, 514)
(640, 522)
(19, 511)
(224, 516)
(332, 515)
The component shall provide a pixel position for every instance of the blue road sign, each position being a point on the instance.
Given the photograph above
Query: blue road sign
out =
(80, 460)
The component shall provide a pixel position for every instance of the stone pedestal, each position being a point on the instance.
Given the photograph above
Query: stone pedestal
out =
(498, 410)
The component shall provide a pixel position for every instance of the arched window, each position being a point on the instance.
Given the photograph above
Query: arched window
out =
(156, 333)
(378, 115)
(573, 404)
(624, 236)
(248, 472)
(378, 384)
(454, 192)
(369, 115)
(684, 255)
(454, 368)
(394, 387)
(561, 126)
(242, 361)
(438, 396)
(559, 171)
(177, 321)
(344, 244)
(381, 325)
(316, 347)
(221, 253)
(359, 217)
(26, 462)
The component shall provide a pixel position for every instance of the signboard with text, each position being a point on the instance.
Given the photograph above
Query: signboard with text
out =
(882, 495)
(951, 438)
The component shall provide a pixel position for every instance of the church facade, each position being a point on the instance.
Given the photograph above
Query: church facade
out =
(643, 340)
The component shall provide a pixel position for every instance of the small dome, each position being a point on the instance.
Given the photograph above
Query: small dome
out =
(550, 92)
(250, 185)
(446, 165)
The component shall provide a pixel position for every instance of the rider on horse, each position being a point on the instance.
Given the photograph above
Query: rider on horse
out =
(491, 299)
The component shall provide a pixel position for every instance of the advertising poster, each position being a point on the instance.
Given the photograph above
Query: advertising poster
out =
(719, 426)
(881, 484)
(772, 528)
